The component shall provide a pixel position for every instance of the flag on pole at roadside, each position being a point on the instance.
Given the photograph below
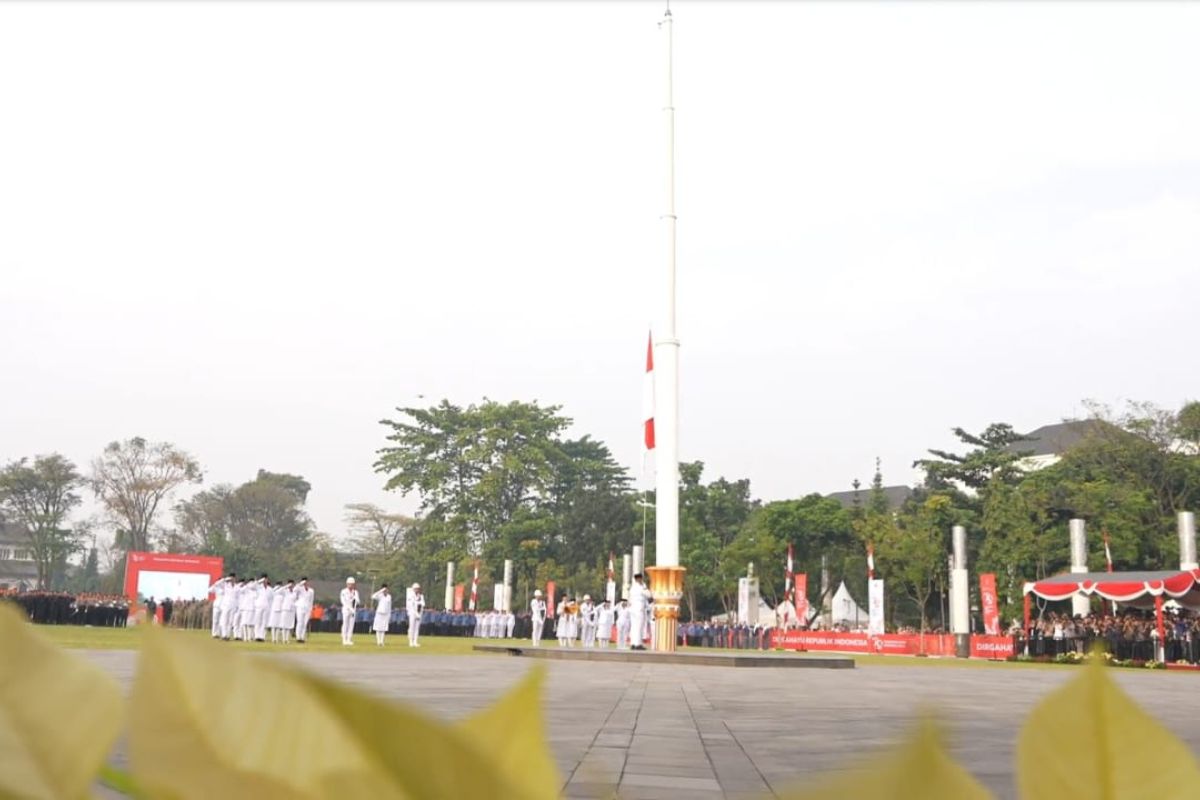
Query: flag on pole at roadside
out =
(1107, 552)
(648, 410)
(475, 587)
(789, 592)
(870, 560)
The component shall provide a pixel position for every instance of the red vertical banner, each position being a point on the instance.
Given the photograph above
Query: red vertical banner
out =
(991, 610)
(801, 597)
(550, 604)
(459, 591)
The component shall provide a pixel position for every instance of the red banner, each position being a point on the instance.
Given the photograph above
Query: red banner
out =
(890, 644)
(987, 596)
(459, 590)
(550, 606)
(801, 597)
(994, 647)
(170, 575)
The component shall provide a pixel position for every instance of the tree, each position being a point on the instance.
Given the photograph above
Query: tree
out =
(993, 456)
(913, 551)
(377, 534)
(132, 478)
(477, 465)
(38, 497)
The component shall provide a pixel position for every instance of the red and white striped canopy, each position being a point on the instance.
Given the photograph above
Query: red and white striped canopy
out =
(1133, 588)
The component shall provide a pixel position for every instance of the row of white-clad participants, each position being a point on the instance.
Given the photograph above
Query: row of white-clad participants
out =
(414, 606)
(594, 624)
(246, 609)
(495, 625)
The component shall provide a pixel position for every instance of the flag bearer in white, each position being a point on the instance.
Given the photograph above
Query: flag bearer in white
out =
(218, 590)
(304, 606)
(537, 616)
(415, 606)
(262, 606)
(562, 624)
(623, 625)
(287, 612)
(350, 604)
(383, 613)
(604, 624)
(587, 621)
(638, 597)
(276, 611)
(246, 610)
(510, 622)
(229, 604)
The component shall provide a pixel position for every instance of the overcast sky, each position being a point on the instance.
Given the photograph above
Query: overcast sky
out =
(254, 229)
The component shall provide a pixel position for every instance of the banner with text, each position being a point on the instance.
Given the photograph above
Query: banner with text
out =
(875, 607)
(891, 644)
(987, 597)
(801, 601)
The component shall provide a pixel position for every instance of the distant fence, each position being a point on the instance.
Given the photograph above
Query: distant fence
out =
(892, 644)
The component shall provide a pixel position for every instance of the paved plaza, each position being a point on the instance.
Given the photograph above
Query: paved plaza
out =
(666, 731)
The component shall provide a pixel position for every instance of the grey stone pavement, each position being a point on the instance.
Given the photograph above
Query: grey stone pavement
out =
(663, 731)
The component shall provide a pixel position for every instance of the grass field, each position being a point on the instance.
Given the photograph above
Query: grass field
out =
(76, 637)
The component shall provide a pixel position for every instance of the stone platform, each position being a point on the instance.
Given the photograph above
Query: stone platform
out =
(708, 658)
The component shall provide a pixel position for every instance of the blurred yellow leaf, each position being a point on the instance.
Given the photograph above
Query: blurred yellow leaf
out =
(917, 769)
(516, 737)
(211, 724)
(59, 715)
(1089, 739)
(430, 759)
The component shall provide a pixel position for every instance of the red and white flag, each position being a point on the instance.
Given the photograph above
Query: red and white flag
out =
(611, 566)
(1107, 552)
(870, 560)
(788, 591)
(648, 408)
(475, 587)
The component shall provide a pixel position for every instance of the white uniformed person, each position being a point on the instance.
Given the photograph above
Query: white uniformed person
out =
(218, 592)
(276, 612)
(604, 624)
(287, 612)
(638, 597)
(383, 613)
(262, 607)
(537, 616)
(623, 625)
(350, 603)
(414, 603)
(587, 621)
(246, 610)
(304, 607)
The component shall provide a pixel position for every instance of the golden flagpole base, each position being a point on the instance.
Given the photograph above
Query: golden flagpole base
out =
(666, 584)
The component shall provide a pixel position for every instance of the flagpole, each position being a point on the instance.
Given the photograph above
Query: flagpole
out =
(666, 577)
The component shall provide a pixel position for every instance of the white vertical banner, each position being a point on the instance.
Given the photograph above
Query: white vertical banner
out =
(875, 607)
(498, 597)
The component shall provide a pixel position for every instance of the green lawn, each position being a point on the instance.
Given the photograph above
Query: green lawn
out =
(82, 638)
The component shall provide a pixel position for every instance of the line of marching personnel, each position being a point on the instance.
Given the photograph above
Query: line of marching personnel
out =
(629, 623)
(64, 608)
(246, 609)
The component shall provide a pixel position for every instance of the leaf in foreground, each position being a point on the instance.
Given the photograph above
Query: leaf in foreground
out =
(1089, 739)
(59, 715)
(917, 769)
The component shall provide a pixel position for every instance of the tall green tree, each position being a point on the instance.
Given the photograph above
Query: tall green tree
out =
(38, 496)
(994, 453)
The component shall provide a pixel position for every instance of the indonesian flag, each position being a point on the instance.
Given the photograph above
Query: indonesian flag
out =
(475, 587)
(648, 397)
(611, 567)
(788, 591)
(1107, 552)
(870, 560)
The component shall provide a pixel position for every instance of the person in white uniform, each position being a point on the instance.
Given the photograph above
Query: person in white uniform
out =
(604, 624)
(246, 610)
(229, 604)
(350, 604)
(537, 616)
(275, 612)
(638, 596)
(587, 621)
(623, 625)
(262, 607)
(305, 595)
(218, 592)
(510, 622)
(560, 622)
(287, 612)
(415, 605)
(383, 613)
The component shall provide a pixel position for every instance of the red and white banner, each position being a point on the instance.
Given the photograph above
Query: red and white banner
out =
(173, 576)
(870, 561)
(890, 644)
(788, 577)
(474, 589)
(1107, 553)
(987, 597)
(459, 591)
(648, 398)
(800, 592)
(550, 604)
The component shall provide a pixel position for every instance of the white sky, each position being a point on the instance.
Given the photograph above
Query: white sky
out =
(255, 229)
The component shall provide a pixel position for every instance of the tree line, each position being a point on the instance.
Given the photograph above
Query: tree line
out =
(503, 481)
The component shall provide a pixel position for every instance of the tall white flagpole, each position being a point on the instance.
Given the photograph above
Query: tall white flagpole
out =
(666, 577)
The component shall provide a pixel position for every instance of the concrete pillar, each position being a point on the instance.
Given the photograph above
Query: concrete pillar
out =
(1081, 605)
(449, 585)
(1187, 541)
(639, 561)
(626, 575)
(508, 581)
(960, 588)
